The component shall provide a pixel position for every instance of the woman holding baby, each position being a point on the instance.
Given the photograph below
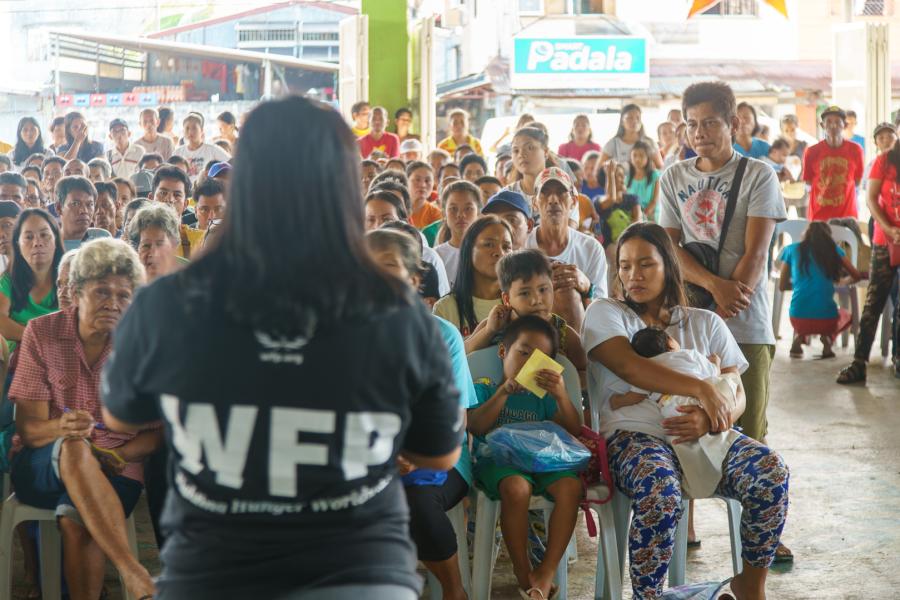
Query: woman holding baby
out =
(646, 447)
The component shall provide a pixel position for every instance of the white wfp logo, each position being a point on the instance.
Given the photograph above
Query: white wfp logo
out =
(577, 56)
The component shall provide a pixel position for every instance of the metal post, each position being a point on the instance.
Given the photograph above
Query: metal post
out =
(267, 81)
(848, 11)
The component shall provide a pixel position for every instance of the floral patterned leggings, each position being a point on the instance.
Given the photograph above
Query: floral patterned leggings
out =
(646, 470)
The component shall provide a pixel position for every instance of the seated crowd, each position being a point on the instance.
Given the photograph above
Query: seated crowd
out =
(575, 253)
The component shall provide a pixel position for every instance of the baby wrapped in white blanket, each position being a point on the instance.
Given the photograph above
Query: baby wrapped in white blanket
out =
(701, 461)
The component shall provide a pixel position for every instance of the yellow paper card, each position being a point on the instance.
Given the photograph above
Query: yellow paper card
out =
(538, 361)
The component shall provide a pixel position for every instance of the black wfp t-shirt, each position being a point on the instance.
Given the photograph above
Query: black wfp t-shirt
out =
(282, 450)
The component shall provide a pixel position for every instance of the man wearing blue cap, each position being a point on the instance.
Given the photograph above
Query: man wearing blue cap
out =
(513, 208)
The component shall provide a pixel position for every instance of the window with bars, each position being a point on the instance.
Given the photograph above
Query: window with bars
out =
(267, 35)
(320, 36)
(734, 8)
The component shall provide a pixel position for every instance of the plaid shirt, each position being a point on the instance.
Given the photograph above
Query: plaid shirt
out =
(52, 368)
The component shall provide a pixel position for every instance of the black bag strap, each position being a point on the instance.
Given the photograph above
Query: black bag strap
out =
(732, 202)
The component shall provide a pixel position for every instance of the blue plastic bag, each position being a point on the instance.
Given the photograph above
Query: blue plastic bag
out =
(537, 447)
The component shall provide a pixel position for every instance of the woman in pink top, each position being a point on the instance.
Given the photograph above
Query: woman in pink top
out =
(64, 457)
(580, 139)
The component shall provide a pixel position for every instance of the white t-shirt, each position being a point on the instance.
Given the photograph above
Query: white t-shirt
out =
(125, 164)
(620, 151)
(450, 256)
(584, 252)
(432, 258)
(692, 328)
(162, 145)
(198, 158)
(694, 202)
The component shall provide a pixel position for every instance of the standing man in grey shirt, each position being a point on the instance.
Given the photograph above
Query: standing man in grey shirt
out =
(153, 142)
(694, 196)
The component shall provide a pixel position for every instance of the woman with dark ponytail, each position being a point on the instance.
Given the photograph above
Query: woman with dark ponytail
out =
(810, 268)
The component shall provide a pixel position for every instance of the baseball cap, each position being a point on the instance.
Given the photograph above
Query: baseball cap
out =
(505, 199)
(410, 145)
(117, 123)
(552, 174)
(834, 110)
(220, 168)
(884, 127)
(10, 209)
(143, 182)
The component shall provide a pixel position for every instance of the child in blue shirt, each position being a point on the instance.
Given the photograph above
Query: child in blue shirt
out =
(811, 268)
(511, 403)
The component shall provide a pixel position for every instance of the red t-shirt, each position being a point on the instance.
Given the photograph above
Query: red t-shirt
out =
(573, 150)
(388, 143)
(833, 174)
(888, 196)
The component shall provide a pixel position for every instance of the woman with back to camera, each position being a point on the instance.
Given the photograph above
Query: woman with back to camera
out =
(319, 390)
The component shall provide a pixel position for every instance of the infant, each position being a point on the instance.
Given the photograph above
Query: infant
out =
(657, 345)
(701, 461)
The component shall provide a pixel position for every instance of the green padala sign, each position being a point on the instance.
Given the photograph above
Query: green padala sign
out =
(580, 62)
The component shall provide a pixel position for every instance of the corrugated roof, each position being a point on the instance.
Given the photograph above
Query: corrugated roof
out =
(254, 11)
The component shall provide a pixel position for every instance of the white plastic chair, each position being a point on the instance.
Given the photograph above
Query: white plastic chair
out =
(486, 364)
(794, 229)
(847, 294)
(13, 513)
(457, 516)
(619, 511)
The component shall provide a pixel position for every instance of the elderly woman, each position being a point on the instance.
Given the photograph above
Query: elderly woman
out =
(154, 232)
(64, 457)
(63, 291)
(28, 287)
(645, 466)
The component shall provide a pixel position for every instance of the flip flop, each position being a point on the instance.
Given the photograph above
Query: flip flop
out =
(526, 594)
(694, 543)
(783, 554)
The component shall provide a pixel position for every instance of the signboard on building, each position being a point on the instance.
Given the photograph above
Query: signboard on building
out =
(601, 62)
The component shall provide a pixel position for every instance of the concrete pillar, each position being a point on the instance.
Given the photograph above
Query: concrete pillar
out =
(388, 53)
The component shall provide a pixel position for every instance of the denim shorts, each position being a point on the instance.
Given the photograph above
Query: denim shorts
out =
(35, 477)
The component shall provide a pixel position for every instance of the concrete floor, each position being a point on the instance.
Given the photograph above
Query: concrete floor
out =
(843, 447)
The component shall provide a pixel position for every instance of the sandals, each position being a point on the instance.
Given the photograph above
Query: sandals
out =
(783, 554)
(855, 372)
(526, 594)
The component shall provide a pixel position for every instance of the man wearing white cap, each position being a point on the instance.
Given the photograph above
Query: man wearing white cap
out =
(411, 149)
(579, 263)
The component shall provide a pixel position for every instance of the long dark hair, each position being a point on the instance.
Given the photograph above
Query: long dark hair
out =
(22, 152)
(166, 115)
(572, 131)
(70, 118)
(620, 132)
(893, 157)
(538, 133)
(20, 271)
(747, 105)
(286, 260)
(465, 276)
(673, 288)
(818, 246)
(648, 170)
